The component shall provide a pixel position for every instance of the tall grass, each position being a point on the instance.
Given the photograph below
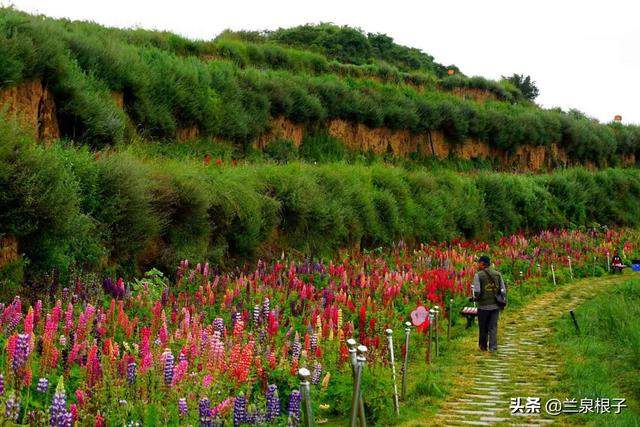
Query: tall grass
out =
(603, 361)
(167, 86)
(123, 209)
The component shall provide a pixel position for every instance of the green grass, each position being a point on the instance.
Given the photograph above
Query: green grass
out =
(604, 360)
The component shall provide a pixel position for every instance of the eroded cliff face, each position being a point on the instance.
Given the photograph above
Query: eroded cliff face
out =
(187, 134)
(8, 250)
(359, 137)
(473, 94)
(281, 128)
(31, 104)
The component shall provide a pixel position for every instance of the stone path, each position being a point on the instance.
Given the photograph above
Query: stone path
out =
(525, 365)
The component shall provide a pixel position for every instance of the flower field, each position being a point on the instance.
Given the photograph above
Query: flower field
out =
(211, 348)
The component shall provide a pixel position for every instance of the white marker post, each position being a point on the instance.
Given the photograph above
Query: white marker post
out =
(553, 275)
(570, 268)
(396, 402)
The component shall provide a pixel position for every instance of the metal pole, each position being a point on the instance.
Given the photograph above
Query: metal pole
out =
(553, 274)
(396, 403)
(575, 321)
(305, 386)
(437, 309)
(407, 332)
(351, 344)
(430, 334)
(449, 319)
(608, 263)
(570, 268)
(362, 358)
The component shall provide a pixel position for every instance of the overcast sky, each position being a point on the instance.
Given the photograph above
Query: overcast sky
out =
(582, 54)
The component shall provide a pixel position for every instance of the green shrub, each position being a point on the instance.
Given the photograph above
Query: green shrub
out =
(281, 150)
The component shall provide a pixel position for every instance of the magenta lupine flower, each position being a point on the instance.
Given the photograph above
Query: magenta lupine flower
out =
(293, 408)
(273, 402)
(168, 368)
(43, 385)
(21, 353)
(239, 410)
(182, 406)
(204, 409)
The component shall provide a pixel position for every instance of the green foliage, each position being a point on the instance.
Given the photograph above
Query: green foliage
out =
(230, 87)
(40, 205)
(281, 150)
(525, 84)
(126, 210)
(602, 362)
(322, 148)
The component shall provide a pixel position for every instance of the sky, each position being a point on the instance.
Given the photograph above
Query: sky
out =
(582, 54)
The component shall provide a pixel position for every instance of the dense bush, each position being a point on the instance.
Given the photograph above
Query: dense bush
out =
(122, 210)
(167, 88)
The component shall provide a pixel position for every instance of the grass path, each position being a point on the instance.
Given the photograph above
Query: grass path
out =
(526, 363)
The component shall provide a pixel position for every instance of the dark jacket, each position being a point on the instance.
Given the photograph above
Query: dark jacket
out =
(484, 290)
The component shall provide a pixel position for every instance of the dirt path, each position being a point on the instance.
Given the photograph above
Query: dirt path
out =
(526, 363)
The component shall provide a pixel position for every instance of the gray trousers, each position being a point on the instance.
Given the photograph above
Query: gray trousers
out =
(488, 323)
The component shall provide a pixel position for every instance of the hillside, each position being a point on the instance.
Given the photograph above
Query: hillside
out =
(110, 85)
(133, 149)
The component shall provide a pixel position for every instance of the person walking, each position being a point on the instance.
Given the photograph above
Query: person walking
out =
(490, 293)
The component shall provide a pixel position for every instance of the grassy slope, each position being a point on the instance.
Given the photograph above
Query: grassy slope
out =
(167, 85)
(604, 360)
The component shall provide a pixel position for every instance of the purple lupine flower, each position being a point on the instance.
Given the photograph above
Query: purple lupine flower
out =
(43, 385)
(273, 402)
(182, 357)
(296, 347)
(293, 408)
(1, 384)
(14, 321)
(313, 342)
(58, 410)
(168, 368)
(255, 417)
(266, 307)
(182, 406)
(317, 373)
(131, 373)
(204, 408)
(256, 314)
(218, 325)
(21, 353)
(234, 318)
(239, 410)
(12, 408)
